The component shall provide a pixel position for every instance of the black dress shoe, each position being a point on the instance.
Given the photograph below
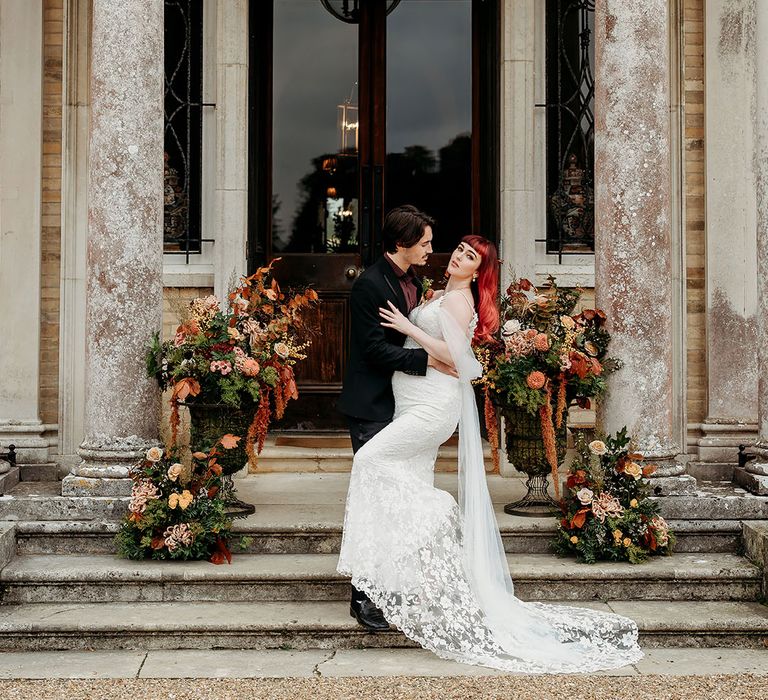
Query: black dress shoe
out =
(368, 615)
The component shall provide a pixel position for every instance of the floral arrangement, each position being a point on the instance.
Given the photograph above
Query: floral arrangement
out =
(544, 358)
(177, 511)
(241, 357)
(606, 512)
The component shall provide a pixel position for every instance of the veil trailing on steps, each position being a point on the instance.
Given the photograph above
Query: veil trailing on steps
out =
(551, 638)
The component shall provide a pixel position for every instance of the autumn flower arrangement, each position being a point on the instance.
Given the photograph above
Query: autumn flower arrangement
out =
(545, 358)
(241, 357)
(606, 512)
(177, 511)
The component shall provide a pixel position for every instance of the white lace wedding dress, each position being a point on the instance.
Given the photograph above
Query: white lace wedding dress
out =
(436, 567)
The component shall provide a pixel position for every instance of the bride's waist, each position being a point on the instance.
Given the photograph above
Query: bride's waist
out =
(433, 376)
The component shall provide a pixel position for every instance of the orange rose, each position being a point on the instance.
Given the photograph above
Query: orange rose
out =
(541, 342)
(536, 380)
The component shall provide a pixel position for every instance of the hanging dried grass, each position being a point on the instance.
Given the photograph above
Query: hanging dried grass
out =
(560, 411)
(492, 426)
(548, 436)
(257, 431)
(280, 400)
(175, 421)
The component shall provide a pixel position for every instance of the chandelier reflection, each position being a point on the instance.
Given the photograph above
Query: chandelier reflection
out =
(348, 125)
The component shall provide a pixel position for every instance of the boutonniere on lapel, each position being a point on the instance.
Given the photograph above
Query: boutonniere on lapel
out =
(426, 288)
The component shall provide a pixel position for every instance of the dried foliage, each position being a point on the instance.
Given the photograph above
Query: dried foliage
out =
(240, 356)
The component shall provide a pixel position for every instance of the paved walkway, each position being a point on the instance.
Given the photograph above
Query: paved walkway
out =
(336, 664)
(367, 674)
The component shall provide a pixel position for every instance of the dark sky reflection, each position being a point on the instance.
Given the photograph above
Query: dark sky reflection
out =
(315, 69)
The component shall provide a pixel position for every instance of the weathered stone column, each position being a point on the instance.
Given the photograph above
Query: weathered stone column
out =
(730, 242)
(125, 216)
(756, 475)
(633, 262)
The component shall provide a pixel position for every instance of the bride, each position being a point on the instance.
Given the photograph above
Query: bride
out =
(435, 567)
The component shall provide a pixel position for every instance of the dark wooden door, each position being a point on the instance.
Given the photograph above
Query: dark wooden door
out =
(352, 115)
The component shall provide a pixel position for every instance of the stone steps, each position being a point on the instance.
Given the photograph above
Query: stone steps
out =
(36, 501)
(333, 454)
(292, 530)
(9, 479)
(324, 625)
(49, 471)
(313, 577)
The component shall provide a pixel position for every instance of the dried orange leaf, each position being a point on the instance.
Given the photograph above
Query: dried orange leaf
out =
(229, 441)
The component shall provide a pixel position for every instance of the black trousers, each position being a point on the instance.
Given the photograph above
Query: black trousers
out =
(361, 431)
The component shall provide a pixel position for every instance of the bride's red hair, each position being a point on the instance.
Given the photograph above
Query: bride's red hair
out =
(485, 289)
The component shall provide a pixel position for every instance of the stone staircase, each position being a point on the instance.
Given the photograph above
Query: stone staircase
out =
(62, 588)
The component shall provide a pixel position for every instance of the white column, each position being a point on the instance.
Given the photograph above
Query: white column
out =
(756, 475)
(231, 232)
(518, 196)
(125, 234)
(74, 231)
(731, 253)
(517, 248)
(634, 257)
(21, 51)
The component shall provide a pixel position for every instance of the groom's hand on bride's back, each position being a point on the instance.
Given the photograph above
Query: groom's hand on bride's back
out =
(441, 366)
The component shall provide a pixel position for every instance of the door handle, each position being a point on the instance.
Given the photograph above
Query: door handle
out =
(351, 272)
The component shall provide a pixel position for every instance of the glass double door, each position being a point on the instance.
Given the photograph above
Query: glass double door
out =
(357, 107)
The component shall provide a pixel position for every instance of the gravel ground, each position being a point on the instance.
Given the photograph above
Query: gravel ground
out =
(734, 687)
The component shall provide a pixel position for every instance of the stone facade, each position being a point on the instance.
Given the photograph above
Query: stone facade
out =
(715, 295)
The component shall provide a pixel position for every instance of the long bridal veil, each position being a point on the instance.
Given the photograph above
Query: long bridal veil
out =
(532, 637)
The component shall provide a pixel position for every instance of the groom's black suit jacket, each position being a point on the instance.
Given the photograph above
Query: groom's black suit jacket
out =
(376, 352)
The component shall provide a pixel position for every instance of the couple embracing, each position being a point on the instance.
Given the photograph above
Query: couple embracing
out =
(434, 567)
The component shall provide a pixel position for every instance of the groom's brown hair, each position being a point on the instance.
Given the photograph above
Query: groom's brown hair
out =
(404, 226)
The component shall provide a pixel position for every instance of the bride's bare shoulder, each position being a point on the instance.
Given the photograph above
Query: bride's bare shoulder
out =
(458, 304)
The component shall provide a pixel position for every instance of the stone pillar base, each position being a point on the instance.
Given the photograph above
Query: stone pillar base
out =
(682, 485)
(720, 441)
(73, 485)
(106, 465)
(670, 478)
(31, 446)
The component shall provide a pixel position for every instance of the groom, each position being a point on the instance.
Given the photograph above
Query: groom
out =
(377, 352)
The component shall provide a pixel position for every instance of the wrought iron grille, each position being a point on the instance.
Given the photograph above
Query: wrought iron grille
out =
(183, 127)
(570, 155)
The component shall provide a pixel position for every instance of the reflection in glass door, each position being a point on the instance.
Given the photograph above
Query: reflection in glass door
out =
(315, 171)
(429, 114)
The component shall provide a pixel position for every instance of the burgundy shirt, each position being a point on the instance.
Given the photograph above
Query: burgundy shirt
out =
(407, 283)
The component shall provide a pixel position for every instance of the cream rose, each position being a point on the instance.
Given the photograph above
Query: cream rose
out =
(585, 496)
(282, 349)
(597, 447)
(510, 327)
(634, 470)
(175, 471)
(154, 454)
